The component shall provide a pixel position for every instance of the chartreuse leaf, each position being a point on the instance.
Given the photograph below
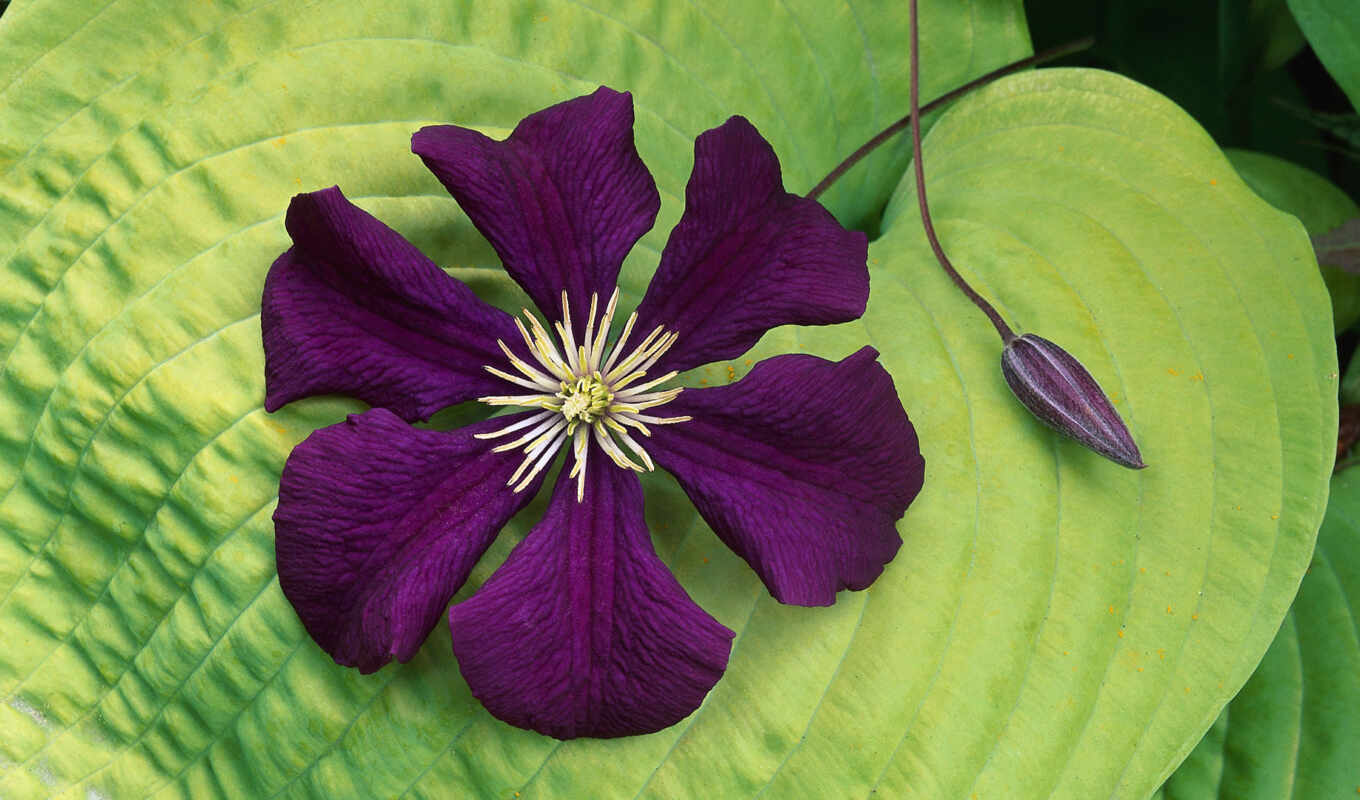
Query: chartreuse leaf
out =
(1054, 625)
(148, 152)
(1319, 204)
(1292, 731)
(1058, 626)
(1333, 29)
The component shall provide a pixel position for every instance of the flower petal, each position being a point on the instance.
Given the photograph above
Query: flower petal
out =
(583, 631)
(802, 467)
(379, 523)
(748, 256)
(353, 308)
(562, 200)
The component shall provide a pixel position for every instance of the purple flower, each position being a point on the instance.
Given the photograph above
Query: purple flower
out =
(802, 467)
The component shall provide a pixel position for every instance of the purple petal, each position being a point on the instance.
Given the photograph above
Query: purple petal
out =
(802, 467)
(379, 523)
(748, 256)
(1057, 389)
(353, 308)
(562, 200)
(583, 631)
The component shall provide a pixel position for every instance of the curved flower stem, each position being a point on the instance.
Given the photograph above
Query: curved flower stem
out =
(1001, 327)
(1074, 46)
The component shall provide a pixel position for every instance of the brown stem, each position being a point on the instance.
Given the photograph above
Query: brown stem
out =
(1075, 46)
(1001, 327)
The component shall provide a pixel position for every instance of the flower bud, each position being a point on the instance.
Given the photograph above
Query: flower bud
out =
(1057, 389)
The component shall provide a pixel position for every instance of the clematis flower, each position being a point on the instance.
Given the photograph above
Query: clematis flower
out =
(802, 467)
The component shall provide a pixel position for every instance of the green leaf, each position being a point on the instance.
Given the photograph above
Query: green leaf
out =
(1333, 29)
(1000, 653)
(1319, 204)
(1096, 615)
(1292, 732)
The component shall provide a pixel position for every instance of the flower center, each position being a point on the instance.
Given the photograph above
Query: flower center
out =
(586, 400)
(583, 390)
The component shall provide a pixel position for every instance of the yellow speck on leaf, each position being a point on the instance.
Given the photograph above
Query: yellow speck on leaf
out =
(1194, 616)
(1168, 609)
(1111, 609)
(703, 381)
(1213, 182)
(1142, 570)
(705, 559)
(1172, 371)
(1274, 516)
(298, 181)
(1121, 633)
(234, 479)
(1198, 376)
(1289, 356)
(281, 141)
(1161, 653)
(1140, 669)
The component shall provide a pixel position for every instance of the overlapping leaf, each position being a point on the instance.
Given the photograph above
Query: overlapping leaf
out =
(1320, 205)
(1053, 625)
(1292, 732)
(1333, 29)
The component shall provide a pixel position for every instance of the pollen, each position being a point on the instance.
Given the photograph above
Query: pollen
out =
(584, 391)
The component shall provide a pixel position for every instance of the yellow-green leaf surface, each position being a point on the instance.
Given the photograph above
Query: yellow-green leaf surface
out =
(1292, 734)
(1053, 626)
(1084, 619)
(1319, 204)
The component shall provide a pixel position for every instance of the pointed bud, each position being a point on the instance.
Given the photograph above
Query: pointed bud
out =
(1057, 389)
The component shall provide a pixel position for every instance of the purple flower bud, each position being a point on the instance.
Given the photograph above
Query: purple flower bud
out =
(1057, 389)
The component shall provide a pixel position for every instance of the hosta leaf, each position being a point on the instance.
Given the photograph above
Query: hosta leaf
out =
(1319, 204)
(148, 153)
(1292, 731)
(1000, 654)
(1074, 627)
(1333, 29)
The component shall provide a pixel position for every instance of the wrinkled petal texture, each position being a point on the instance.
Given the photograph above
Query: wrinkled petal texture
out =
(748, 256)
(353, 308)
(379, 523)
(562, 200)
(802, 467)
(583, 631)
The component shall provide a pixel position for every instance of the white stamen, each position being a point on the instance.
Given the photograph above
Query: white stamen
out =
(526, 369)
(516, 426)
(542, 462)
(518, 381)
(528, 437)
(583, 394)
(620, 342)
(636, 448)
(546, 442)
(580, 448)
